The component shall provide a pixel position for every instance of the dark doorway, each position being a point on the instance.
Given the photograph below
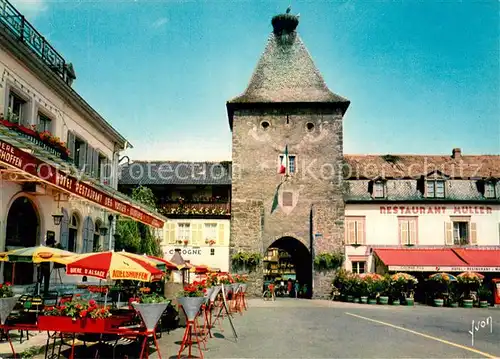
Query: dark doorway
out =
(287, 258)
(22, 231)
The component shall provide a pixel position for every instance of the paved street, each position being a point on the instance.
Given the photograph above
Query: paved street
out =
(291, 328)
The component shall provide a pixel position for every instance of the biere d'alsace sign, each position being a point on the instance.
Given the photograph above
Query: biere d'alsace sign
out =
(26, 162)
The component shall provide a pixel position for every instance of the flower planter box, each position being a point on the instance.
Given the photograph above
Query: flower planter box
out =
(85, 325)
(364, 300)
(396, 302)
(438, 302)
(372, 301)
(484, 304)
(410, 302)
(454, 305)
(350, 298)
(356, 300)
(383, 300)
(467, 303)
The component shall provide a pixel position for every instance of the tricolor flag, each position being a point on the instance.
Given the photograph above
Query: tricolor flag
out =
(284, 162)
(275, 199)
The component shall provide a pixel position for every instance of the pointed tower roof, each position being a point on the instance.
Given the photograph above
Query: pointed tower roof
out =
(286, 74)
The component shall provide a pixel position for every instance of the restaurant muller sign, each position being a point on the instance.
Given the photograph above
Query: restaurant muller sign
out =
(24, 161)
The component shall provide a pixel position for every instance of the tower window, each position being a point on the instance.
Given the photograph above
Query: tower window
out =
(265, 125)
(310, 126)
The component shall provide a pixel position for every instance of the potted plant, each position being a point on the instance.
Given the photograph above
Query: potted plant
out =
(363, 291)
(191, 299)
(186, 242)
(372, 287)
(383, 289)
(468, 282)
(325, 262)
(453, 295)
(403, 285)
(484, 294)
(7, 301)
(151, 308)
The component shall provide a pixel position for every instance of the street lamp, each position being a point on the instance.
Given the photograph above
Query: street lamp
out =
(103, 230)
(57, 218)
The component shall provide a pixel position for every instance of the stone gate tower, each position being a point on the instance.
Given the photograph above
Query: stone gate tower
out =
(287, 105)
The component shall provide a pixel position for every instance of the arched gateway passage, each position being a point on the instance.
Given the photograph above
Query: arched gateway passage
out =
(288, 259)
(22, 231)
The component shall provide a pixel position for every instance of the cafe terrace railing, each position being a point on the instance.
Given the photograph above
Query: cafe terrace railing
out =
(23, 31)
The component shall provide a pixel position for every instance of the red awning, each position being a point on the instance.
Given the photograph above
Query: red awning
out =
(479, 257)
(421, 260)
(38, 170)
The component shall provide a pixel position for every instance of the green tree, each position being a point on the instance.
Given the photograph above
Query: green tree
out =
(137, 237)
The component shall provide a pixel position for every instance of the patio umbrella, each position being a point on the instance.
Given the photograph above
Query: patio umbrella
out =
(154, 262)
(405, 276)
(168, 264)
(38, 254)
(113, 265)
(471, 275)
(373, 276)
(443, 276)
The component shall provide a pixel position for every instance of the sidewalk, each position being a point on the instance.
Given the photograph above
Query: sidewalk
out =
(29, 347)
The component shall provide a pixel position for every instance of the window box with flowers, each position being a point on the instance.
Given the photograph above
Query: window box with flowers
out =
(44, 139)
(78, 316)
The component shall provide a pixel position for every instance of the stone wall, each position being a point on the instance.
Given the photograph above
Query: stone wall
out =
(314, 137)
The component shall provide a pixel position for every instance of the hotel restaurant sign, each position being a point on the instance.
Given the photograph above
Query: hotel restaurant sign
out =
(31, 165)
(443, 269)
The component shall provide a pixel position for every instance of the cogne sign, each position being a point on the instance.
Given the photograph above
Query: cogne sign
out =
(453, 210)
(13, 156)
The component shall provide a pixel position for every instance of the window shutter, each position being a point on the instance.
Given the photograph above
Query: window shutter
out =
(64, 230)
(413, 231)
(95, 163)
(85, 238)
(196, 234)
(221, 234)
(351, 232)
(89, 155)
(70, 142)
(448, 233)
(360, 232)
(105, 242)
(473, 233)
(83, 156)
(404, 232)
(91, 232)
(171, 233)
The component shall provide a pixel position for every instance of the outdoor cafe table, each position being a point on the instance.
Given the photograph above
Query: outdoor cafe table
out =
(65, 326)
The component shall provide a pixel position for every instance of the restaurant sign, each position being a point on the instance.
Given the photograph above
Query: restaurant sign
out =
(449, 210)
(31, 165)
(443, 269)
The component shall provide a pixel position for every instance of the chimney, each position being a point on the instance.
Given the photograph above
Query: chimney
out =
(456, 153)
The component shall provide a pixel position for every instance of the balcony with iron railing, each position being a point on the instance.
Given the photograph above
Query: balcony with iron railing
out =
(220, 208)
(21, 30)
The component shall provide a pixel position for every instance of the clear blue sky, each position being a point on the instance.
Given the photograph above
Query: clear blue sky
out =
(422, 77)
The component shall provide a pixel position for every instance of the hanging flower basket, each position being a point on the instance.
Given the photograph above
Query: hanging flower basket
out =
(150, 313)
(191, 306)
(6, 306)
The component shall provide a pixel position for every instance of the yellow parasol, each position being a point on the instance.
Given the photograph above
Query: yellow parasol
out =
(39, 254)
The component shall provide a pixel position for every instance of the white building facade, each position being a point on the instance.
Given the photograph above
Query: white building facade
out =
(201, 241)
(58, 156)
(443, 217)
